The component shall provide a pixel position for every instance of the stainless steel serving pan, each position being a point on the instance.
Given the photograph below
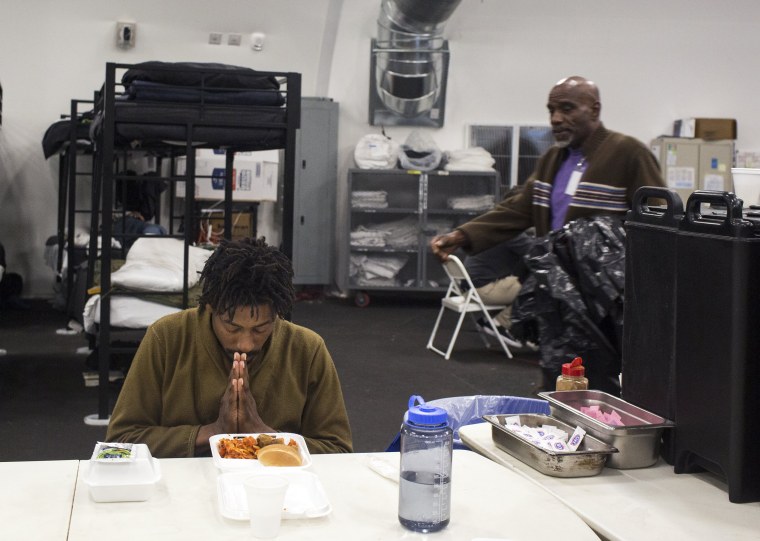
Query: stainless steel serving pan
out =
(638, 440)
(586, 461)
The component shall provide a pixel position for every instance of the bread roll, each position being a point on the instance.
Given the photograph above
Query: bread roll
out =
(279, 454)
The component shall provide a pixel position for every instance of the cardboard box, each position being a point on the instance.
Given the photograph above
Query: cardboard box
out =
(694, 164)
(254, 179)
(709, 129)
(212, 226)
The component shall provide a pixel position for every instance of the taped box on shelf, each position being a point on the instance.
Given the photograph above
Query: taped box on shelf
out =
(709, 129)
(253, 179)
(212, 226)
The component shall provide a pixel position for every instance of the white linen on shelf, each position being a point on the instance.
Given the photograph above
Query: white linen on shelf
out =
(363, 237)
(396, 234)
(471, 202)
(377, 270)
(369, 199)
(469, 159)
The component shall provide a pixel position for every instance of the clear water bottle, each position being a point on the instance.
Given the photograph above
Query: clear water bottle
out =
(427, 441)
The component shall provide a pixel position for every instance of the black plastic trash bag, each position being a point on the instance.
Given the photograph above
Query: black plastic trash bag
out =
(572, 298)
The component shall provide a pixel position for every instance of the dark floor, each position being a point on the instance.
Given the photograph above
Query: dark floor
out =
(379, 351)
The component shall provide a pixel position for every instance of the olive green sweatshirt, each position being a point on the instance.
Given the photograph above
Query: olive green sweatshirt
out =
(180, 372)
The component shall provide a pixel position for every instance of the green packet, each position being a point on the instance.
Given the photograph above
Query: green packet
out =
(114, 452)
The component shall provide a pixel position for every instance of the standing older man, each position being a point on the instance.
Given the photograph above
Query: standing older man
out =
(589, 171)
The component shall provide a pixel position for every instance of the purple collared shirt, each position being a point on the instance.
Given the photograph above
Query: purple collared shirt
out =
(560, 200)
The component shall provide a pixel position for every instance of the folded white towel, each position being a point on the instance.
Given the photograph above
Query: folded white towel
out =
(471, 202)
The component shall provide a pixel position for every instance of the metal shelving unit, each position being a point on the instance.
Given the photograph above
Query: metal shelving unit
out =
(415, 206)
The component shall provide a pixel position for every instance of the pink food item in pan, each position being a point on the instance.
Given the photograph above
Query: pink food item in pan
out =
(611, 418)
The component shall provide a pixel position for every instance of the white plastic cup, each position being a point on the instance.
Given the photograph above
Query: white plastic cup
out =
(265, 495)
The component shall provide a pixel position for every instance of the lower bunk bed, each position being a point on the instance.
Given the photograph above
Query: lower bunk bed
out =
(146, 286)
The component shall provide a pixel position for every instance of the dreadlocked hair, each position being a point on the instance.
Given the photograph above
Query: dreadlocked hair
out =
(247, 272)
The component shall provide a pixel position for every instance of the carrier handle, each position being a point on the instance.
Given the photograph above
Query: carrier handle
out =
(731, 224)
(642, 212)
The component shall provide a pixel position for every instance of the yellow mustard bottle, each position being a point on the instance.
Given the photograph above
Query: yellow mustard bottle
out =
(573, 376)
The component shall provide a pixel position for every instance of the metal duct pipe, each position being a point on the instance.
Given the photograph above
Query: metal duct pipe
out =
(409, 52)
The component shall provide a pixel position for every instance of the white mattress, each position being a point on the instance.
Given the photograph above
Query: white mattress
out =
(126, 312)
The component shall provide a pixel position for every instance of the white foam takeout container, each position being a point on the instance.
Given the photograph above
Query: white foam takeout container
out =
(237, 464)
(124, 481)
(305, 497)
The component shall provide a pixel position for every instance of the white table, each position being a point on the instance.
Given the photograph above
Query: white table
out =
(35, 499)
(641, 504)
(488, 501)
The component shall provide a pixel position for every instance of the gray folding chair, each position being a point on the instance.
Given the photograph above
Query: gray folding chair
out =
(464, 301)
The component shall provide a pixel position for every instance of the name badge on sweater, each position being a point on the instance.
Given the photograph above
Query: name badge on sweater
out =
(572, 184)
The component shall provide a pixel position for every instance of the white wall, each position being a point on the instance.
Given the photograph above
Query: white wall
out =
(654, 62)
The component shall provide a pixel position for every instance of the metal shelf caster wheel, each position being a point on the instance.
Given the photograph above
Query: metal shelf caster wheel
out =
(361, 299)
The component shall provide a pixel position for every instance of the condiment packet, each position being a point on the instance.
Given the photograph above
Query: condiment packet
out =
(512, 420)
(114, 452)
(559, 446)
(576, 439)
(615, 419)
(544, 444)
(549, 437)
(522, 431)
(554, 432)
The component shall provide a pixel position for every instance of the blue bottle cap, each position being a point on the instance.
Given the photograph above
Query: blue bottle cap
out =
(425, 414)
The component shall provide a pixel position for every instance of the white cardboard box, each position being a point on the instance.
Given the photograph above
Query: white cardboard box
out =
(254, 178)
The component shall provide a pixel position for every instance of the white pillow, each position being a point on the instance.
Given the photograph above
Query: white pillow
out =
(155, 264)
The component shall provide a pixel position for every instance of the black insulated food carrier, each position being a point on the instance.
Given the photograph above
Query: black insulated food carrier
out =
(649, 327)
(704, 376)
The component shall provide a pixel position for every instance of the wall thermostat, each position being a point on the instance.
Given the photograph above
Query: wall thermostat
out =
(126, 34)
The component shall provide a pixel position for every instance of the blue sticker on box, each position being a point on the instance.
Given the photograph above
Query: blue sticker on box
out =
(217, 178)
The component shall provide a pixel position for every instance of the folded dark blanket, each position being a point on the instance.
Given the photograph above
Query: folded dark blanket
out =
(150, 91)
(197, 73)
(58, 134)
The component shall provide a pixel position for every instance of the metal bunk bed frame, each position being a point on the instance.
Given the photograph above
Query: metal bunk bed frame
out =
(69, 175)
(103, 192)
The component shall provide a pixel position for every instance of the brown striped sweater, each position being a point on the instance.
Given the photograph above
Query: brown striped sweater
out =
(617, 165)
